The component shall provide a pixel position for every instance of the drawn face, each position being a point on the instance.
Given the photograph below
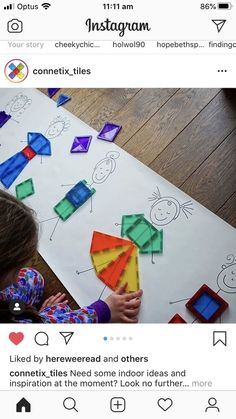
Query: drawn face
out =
(19, 103)
(226, 279)
(55, 129)
(102, 171)
(164, 211)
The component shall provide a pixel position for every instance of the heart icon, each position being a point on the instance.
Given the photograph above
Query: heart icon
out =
(165, 404)
(16, 338)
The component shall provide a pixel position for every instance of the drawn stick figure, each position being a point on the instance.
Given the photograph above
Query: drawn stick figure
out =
(103, 169)
(226, 279)
(166, 209)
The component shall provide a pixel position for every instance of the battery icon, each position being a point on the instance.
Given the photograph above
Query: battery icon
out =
(225, 6)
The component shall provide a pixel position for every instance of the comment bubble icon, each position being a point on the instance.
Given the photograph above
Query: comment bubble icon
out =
(41, 339)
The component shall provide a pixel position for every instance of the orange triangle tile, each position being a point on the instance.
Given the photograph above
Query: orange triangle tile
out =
(101, 241)
(112, 273)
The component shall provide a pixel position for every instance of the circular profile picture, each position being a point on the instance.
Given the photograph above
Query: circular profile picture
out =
(16, 70)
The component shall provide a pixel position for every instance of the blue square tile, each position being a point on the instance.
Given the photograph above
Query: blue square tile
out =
(206, 305)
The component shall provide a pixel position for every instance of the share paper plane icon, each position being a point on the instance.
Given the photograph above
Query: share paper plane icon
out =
(67, 336)
(219, 24)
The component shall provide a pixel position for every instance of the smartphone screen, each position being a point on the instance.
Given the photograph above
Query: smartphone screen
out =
(117, 209)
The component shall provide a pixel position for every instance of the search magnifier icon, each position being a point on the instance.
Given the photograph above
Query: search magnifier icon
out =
(70, 404)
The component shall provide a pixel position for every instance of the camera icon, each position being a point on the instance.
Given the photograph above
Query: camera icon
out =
(15, 26)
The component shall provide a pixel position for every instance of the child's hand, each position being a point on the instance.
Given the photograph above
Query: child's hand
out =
(124, 307)
(54, 299)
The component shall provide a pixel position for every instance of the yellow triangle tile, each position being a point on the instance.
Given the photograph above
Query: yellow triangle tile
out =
(131, 273)
(102, 259)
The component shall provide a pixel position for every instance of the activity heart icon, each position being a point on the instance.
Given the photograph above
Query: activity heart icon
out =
(16, 338)
(165, 404)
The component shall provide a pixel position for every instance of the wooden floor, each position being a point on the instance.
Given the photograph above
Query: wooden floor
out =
(186, 135)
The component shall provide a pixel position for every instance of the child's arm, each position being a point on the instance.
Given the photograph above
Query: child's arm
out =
(124, 307)
(61, 313)
(118, 307)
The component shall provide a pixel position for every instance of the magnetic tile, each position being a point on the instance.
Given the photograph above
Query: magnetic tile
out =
(79, 194)
(4, 118)
(62, 100)
(101, 241)
(130, 273)
(11, 168)
(206, 305)
(39, 143)
(81, 144)
(112, 273)
(102, 259)
(28, 152)
(141, 232)
(52, 91)
(64, 209)
(128, 221)
(145, 237)
(25, 189)
(109, 132)
(177, 319)
(155, 245)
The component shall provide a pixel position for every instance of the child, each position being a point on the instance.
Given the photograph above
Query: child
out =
(18, 244)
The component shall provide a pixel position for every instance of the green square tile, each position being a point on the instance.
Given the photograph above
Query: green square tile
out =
(141, 232)
(64, 209)
(25, 189)
(20, 66)
(145, 237)
(155, 245)
(128, 221)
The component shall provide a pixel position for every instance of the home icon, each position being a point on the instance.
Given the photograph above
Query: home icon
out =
(23, 406)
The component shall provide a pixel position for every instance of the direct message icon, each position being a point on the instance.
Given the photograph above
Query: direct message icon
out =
(165, 404)
(219, 338)
(219, 24)
(67, 336)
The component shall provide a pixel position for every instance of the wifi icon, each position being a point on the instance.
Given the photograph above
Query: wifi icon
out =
(46, 5)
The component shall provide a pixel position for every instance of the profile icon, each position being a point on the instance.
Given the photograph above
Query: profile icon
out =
(16, 70)
(212, 405)
(16, 307)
